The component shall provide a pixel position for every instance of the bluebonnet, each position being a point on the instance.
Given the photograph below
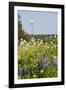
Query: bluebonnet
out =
(56, 65)
(25, 71)
(20, 71)
(53, 63)
(42, 64)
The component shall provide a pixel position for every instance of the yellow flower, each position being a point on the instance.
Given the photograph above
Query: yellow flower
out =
(42, 71)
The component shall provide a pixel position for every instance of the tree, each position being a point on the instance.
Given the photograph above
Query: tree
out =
(20, 29)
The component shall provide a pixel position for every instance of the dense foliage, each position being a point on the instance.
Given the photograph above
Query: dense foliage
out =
(37, 59)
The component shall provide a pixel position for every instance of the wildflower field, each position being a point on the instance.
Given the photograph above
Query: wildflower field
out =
(37, 59)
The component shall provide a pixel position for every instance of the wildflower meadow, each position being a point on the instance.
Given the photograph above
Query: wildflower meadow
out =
(37, 59)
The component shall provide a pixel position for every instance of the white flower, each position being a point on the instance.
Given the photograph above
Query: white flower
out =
(45, 42)
(21, 42)
(42, 71)
(51, 42)
(25, 42)
(21, 39)
(54, 36)
(41, 41)
(38, 39)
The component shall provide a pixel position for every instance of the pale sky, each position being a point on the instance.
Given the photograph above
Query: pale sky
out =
(44, 22)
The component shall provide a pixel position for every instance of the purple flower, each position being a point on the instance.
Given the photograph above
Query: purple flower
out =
(42, 64)
(25, 71)
(20, 71)
(53, 63)
(56, 65)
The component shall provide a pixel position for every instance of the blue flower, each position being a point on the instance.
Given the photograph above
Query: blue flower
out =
(43, 61)
(42, 64)
(56, 65)
(53, 63)
(20, 71)
(25, 71)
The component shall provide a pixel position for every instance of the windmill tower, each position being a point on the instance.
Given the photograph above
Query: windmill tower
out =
(32, 25)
